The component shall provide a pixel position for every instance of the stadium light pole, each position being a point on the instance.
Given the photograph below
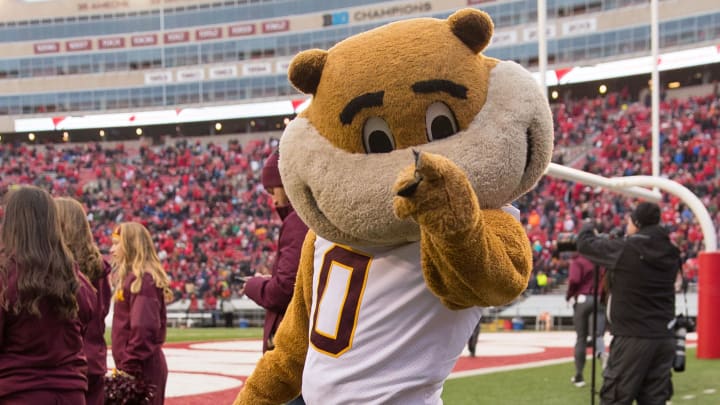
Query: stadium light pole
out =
(162, 50)
(542, 43)
(655, 89)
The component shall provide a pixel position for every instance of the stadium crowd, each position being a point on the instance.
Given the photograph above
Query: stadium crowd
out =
(202, 202)
(618, 139)
(208, 213)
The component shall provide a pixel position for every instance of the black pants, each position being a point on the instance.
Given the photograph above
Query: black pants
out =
(228, 319)
(582, 322)
(638, 369)
(297, 401)
(472, 342)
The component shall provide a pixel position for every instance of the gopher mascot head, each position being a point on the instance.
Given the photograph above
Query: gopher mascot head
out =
(415, 85)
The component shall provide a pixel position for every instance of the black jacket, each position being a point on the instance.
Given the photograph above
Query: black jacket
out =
(642, 270)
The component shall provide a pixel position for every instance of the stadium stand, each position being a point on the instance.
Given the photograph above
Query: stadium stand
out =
(202, 200)
(616, 136)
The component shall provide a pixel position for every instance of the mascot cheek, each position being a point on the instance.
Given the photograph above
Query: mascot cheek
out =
(345, 197)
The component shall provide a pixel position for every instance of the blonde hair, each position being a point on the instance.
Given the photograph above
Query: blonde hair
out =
(78, 237)
(138, 256)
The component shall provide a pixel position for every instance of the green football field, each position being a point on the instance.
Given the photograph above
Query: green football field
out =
(180, 335)
(548, 385)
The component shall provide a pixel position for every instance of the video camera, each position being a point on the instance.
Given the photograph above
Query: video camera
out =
(682, 326)
(567, 241)
(237, 279)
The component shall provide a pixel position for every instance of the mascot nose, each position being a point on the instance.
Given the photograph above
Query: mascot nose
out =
(409, 190)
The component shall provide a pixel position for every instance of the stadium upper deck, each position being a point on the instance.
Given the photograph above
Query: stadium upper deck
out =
(70, 56)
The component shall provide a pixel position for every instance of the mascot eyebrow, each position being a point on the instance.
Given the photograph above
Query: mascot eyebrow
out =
(447, 86)
(376, 99)
(358, 103)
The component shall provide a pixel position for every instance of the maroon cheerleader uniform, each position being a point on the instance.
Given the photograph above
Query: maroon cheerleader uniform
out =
(95, 346)
(41, 358)
(138, 333)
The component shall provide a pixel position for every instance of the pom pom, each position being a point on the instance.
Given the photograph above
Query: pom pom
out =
(122, 388)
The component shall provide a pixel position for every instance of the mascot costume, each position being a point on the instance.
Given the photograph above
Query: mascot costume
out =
(401, 165)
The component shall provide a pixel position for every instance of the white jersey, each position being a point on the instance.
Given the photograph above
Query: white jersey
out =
(377, 334)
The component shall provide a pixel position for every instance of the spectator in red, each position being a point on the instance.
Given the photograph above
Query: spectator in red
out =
(194, 305)
(210, 304)
(45, 306)
(76, 232)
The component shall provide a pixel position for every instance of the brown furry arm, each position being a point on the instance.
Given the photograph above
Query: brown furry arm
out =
(278, 375)
(489, 265)
(469, 256)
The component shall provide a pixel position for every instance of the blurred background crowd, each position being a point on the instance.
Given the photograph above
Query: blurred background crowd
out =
(203, 202)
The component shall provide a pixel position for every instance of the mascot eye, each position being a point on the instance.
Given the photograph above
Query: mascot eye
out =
(377, 137)
(440, 121)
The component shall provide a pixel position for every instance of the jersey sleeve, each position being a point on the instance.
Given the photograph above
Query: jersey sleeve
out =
(274, 293)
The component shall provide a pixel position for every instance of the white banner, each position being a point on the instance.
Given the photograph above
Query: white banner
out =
(282, 66)
(530, 34)
(190, 75)
(501, 38)
(142, 118)
(223, 72)
(577, 27)
(254, 69)
(158, 77)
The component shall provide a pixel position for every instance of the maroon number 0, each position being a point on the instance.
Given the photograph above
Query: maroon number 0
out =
(357, 264)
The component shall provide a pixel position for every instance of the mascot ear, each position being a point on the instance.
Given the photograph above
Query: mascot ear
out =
(473, 27)
(306, 69)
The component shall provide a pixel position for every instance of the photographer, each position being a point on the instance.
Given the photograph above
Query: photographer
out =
(641, 274)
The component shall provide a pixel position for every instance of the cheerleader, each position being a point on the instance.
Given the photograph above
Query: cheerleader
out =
(45, 306)
(139, 315)
(79, 239)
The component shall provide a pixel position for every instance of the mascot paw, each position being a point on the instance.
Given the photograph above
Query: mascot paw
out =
(436, 194)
